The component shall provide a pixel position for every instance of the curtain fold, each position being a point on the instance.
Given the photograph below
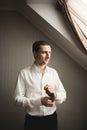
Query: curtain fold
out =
(76, 12)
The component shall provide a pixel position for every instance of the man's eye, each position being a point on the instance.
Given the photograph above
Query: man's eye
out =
(43, 52)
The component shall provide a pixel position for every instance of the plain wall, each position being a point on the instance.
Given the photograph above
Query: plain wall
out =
(16, 37)
(8, 4)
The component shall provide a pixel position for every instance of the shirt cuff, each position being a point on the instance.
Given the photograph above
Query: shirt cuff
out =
(36, 101)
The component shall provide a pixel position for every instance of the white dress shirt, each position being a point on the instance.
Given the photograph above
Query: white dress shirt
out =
(30, 89)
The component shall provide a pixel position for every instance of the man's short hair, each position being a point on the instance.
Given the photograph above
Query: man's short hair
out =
(37, 44)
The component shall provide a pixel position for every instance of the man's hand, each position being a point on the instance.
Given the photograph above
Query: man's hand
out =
(50, 91)
(47, 101)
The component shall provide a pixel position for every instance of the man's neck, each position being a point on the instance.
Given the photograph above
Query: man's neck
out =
(42, 67)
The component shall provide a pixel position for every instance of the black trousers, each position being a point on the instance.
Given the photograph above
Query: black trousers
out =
(43, 122)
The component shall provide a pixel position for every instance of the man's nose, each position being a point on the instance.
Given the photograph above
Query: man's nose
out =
(48, 55)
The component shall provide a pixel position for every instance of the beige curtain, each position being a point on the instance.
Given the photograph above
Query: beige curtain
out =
(76, 12)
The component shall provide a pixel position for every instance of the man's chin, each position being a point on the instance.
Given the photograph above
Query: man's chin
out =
(46, 62)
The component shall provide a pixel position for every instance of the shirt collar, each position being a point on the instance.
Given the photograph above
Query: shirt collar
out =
(35, 68)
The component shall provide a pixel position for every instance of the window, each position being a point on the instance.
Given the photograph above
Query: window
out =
(76, 12)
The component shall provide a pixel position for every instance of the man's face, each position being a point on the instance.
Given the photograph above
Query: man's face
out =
(43, 55)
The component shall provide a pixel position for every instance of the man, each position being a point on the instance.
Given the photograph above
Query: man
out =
(39, 90)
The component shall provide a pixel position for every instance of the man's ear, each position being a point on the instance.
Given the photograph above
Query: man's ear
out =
(34, 53)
